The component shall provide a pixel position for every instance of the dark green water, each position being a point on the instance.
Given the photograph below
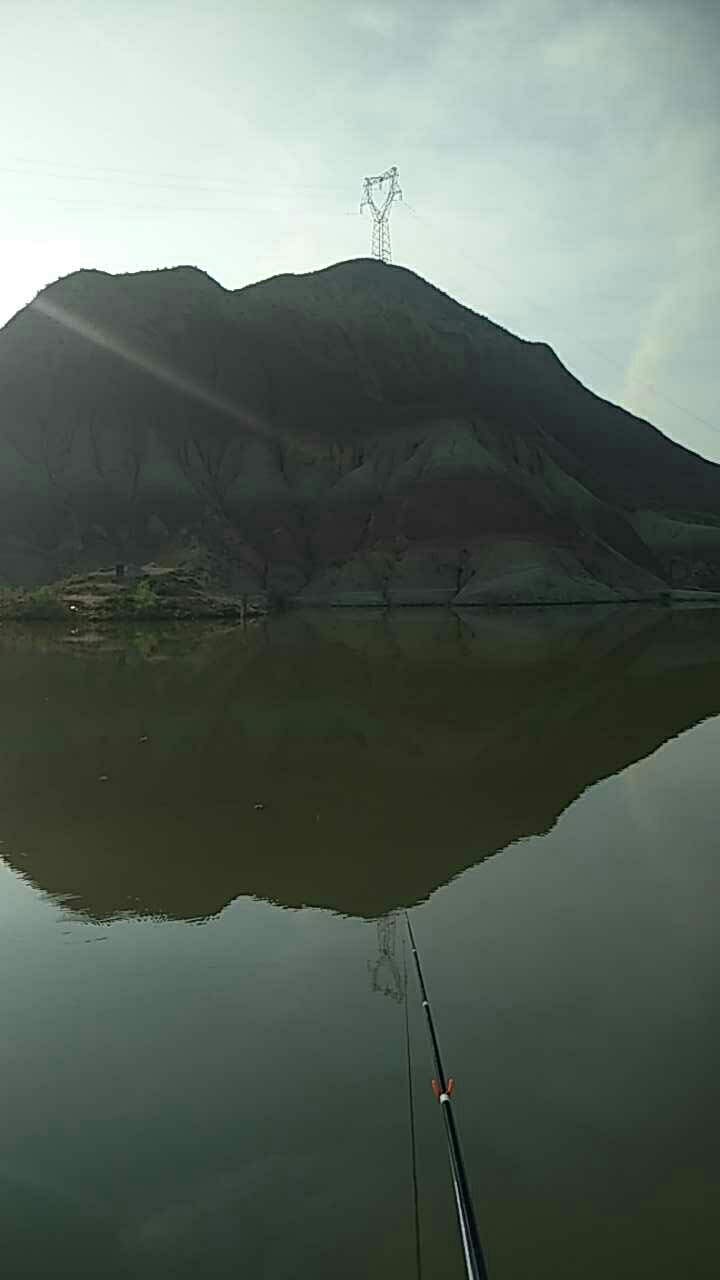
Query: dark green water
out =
(197, 1077)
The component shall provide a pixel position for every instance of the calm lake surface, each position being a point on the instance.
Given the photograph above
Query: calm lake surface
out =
(202, 1065)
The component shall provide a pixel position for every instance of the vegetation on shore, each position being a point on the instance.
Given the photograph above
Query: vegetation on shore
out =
(153, 593)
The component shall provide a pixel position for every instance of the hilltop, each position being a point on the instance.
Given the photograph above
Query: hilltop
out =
(352, 435)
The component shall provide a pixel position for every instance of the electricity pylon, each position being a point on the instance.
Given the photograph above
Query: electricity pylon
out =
(381, 212)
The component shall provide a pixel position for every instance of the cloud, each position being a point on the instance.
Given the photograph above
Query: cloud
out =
(582, 199)
(562, 157)
(381, 20)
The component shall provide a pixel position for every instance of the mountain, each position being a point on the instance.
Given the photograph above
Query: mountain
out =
(390, 751)
(352, 436)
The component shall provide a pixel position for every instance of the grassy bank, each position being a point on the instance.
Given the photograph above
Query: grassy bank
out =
(153, 593)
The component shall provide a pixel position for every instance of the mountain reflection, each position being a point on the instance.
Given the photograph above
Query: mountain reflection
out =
(354, 761)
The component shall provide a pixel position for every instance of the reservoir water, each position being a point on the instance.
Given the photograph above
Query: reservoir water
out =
(206, 838)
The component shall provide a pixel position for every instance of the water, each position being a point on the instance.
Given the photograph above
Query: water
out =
(196, 1074)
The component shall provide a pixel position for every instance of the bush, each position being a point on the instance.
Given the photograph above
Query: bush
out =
(41, 605)
(144, 599)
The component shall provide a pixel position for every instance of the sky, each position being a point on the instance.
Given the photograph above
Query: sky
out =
(559, 161)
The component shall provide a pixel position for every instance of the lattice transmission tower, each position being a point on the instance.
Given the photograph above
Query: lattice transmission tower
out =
(388, 186)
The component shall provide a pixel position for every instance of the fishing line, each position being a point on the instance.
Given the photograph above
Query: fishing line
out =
(411, 1104)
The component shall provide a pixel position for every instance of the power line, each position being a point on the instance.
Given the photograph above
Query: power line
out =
(583, 342)
(173, 207)
(126, 176)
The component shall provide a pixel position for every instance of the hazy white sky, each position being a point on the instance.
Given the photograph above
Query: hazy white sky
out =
(561, 161)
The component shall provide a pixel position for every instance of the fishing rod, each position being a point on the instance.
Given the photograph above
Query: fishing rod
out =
(442, 1088)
